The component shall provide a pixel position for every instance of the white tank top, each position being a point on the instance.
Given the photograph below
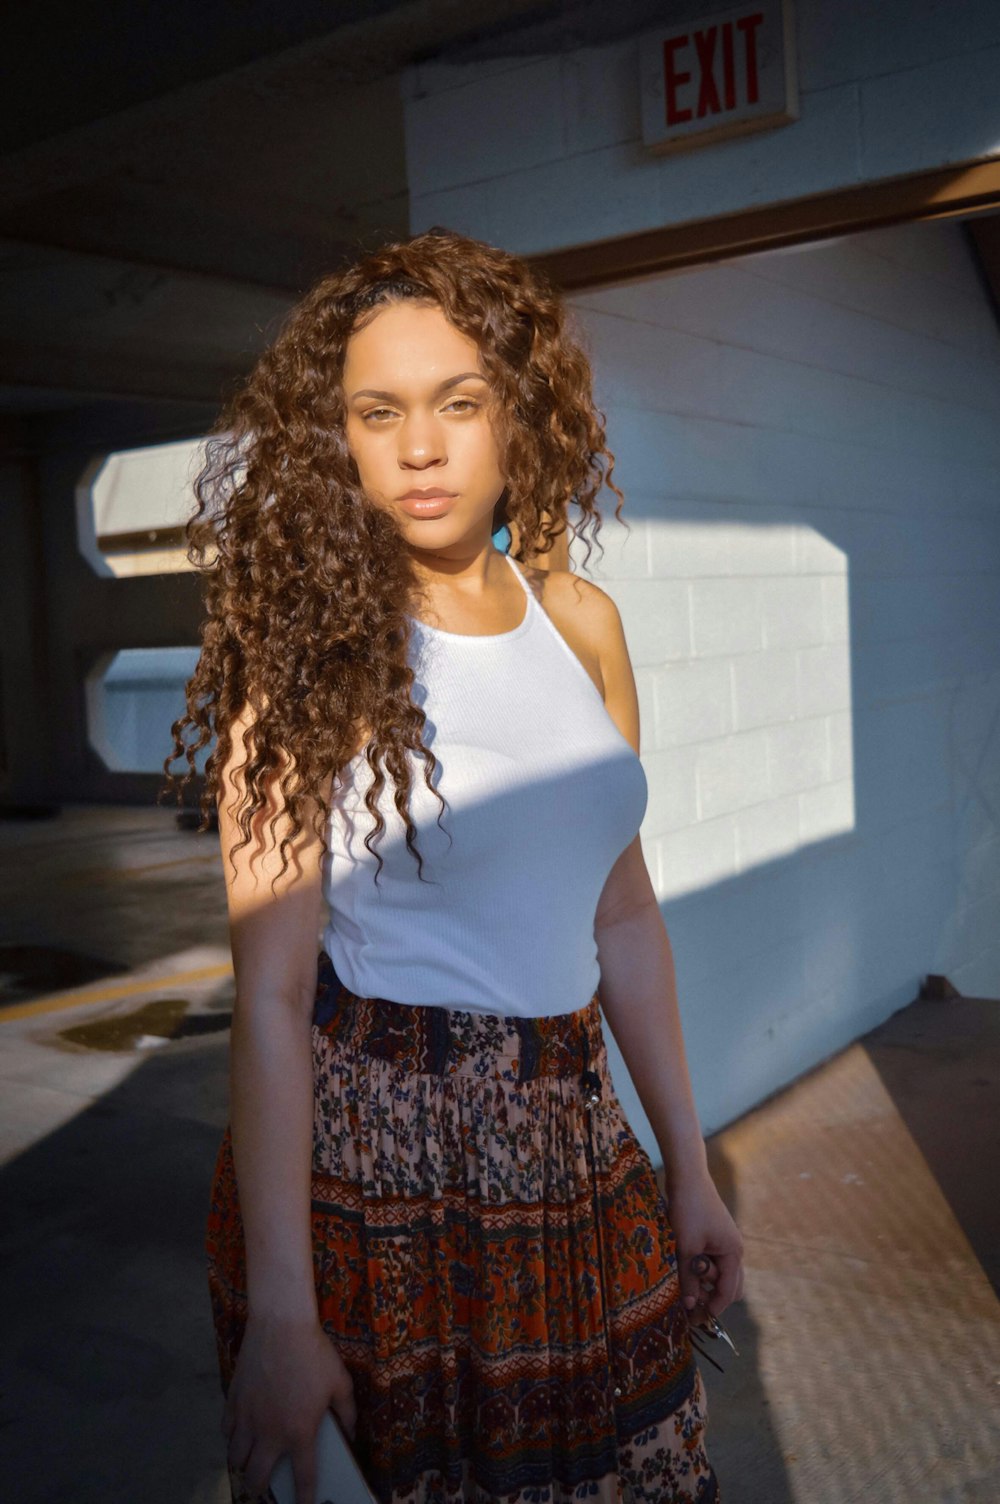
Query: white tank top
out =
(543, 794)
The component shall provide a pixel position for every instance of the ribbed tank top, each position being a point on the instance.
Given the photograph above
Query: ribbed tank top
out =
(543, 794)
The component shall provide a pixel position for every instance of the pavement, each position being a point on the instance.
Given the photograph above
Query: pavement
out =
(866, 1191)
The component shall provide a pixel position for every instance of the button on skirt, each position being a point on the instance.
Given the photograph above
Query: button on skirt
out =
(493, 1259)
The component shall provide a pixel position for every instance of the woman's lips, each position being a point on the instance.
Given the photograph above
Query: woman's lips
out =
(427, 506)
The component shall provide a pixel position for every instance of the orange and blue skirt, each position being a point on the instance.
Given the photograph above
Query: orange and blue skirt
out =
(493, 1260)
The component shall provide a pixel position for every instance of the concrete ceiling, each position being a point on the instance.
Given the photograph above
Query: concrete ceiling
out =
(171, 177)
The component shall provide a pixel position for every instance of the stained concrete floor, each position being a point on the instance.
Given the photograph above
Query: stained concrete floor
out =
(869, 1334)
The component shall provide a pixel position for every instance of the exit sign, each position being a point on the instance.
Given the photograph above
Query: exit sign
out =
(718, 75)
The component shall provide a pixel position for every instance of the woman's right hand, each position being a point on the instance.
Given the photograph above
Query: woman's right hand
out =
(287, 1373)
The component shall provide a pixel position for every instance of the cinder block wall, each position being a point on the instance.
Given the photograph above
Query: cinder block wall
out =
(809, 446)
(538, 145)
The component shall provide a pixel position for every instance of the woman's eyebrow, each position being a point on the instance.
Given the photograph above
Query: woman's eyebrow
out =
(441, 387)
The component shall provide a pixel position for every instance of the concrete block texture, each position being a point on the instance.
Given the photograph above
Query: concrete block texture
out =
(809, 441)
(883, 90)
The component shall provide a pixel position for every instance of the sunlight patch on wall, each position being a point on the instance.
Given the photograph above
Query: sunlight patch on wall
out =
(132, 506)
(750, 691)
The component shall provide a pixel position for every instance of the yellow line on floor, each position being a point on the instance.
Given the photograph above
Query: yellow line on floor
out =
(124, 874)
(57, 1001)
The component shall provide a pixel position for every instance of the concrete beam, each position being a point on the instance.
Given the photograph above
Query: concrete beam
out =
(358, 53)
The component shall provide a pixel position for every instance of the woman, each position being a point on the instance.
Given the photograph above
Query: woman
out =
(429, 1212)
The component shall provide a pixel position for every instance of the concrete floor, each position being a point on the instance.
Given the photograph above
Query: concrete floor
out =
(869, 1335)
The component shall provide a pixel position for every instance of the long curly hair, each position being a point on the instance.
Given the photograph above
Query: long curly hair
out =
(306, 580)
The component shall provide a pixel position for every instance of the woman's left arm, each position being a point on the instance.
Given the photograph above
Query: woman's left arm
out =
(638, 993)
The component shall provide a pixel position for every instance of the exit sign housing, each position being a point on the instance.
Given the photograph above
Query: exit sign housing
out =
(718, 75)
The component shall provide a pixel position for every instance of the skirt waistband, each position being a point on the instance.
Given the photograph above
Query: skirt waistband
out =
(431, 1038)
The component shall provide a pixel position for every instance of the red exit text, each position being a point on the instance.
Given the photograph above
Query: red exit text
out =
(711, 71)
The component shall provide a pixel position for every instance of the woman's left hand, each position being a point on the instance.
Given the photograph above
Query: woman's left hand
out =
(703, 1226)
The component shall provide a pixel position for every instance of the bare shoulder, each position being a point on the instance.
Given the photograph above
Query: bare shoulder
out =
(563, 583)
(591, 623)
(580, 604)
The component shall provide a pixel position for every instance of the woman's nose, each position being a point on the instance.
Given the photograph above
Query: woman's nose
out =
(420, 441)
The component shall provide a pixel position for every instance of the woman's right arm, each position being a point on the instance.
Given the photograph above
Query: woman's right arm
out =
(287, 1371)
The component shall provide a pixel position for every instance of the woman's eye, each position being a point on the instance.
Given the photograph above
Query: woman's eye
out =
(458, 402)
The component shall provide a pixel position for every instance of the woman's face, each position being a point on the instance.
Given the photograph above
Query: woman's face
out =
(418, 418)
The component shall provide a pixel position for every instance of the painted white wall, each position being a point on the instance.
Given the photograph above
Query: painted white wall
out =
(537, 151)
(809, 447)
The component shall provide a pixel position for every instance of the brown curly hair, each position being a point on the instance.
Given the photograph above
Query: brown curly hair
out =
(307, 582)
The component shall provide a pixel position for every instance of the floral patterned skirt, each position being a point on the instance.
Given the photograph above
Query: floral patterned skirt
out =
(493, 1260)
